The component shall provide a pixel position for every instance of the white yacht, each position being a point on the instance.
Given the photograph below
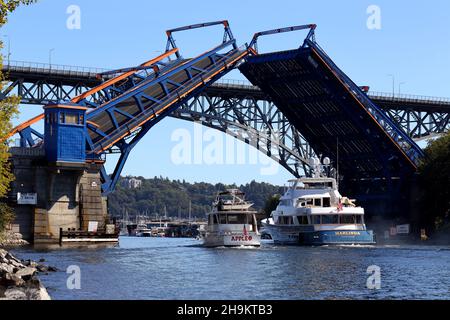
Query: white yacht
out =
(313, 212)
(142, 230)
(232, 222)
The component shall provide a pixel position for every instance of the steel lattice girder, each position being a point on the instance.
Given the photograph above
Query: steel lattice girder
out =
(417, 119)
(241, 100)
(242, 109)
(299, 80)
(258, 123)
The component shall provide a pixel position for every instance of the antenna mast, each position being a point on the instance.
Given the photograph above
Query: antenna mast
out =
(337, 162)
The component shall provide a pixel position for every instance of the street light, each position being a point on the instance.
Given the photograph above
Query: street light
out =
(400, 86)
(393, 85)
(50, 57)
(9, 47)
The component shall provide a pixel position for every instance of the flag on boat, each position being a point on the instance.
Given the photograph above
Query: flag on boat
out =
(339, 207)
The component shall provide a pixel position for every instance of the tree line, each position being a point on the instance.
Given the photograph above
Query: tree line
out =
(158, 196)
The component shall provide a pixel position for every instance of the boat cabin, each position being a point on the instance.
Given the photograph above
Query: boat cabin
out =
(233, 218)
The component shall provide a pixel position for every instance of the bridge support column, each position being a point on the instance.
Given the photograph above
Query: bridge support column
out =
(49, 196)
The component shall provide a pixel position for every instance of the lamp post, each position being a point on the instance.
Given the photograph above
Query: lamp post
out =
(393, 85)
(9, 48)
(400, 87)
(50, 57)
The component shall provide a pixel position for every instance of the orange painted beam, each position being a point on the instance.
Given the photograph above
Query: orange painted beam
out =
(253, 51)
(171, 103)
(122, 76)
(23, 126)
(90, 92)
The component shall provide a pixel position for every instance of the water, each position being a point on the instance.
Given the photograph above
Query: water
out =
(164, 268)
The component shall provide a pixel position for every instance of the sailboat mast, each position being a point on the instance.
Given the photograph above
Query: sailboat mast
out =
(190, 208)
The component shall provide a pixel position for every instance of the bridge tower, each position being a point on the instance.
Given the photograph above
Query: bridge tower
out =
(64, 189)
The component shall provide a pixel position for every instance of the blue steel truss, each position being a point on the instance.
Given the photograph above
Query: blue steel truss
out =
(131, 101)
(317, 97)
(405, 142)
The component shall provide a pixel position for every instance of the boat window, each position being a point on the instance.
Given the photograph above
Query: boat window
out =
(347, 219)
(359, 219)
(309, 202)
(286, 220)
(212, 219)
(330, 219)
(300, 203)
(302, 219)
(237, 218)
(326, 202)
(223, 218)
(317, 202)
(315, 219)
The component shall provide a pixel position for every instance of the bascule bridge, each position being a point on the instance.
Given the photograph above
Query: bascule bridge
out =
(299, 104)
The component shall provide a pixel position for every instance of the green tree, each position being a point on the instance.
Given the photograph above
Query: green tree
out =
(271, 204)
(434, 173)
(8, 109)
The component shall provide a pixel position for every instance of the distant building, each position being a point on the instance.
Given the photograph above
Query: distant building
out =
(131, 183)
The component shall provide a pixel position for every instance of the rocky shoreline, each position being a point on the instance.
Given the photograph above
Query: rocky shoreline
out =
(12, 239)
(19, 278)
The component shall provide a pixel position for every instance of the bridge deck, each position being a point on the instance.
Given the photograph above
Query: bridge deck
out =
(155, 97)
(331, 113)
(60, 76)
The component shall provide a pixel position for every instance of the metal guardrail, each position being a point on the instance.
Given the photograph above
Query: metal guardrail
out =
(235, 84)
(14, 65)
(409, 147)
(408, 97)
(178, 93)
(26, 66)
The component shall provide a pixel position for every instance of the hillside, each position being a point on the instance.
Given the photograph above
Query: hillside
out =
(154, 194)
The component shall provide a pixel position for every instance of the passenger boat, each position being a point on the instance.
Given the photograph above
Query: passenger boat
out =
(232, 222)
(142, 230)
(313, 212)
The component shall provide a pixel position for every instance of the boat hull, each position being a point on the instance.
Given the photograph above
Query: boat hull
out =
(299, 236)
(237, 240)
(337, 237)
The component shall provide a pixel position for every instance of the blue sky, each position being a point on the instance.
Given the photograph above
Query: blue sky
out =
(413, 44)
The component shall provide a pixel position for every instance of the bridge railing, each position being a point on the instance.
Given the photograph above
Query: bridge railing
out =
(406, 144)
(26, 66)
(235, 84)
(407, 97)
(38, 67)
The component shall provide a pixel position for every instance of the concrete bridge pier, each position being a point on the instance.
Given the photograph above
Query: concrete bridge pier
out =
(55, 187)
(48, 196)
